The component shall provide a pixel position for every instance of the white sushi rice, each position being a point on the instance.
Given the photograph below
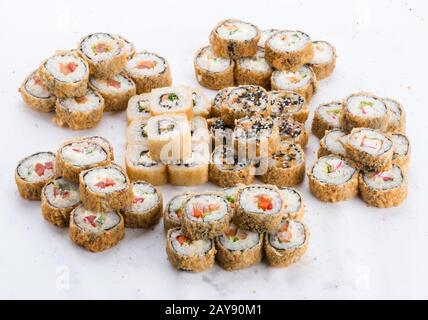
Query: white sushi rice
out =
(83, 153)
(162, 127)
(401, 145)
(230, 194)
(389, 179)
(189, 247)
(292, 200)
(95, 222)
(86, 103)
(145, 198)
(285, 103)
(139, 107)
(103, 142)
(366, 106)
(66, 68)
(395, 110)
(293, 238)
(128, 47)
(101, 47)
(201, 106)
(139, 155)
(117, 84)
(323, 53)
(236, 30)
(264, 35)
(171, 99)
(370, 141)
(213, 207)
(292, 80)
(335, 141)
(146, 64)
(137, 131)
(35, 87)
(175, 207)
(288, 41)
(249, 199)
(257, 63)
(61, 193)
(330, 113)
(207, 60)
(37, 167)
(332, 170)
(105, 180)
(236, 239)
(200, 131)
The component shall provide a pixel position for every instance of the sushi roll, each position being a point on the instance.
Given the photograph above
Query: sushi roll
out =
(205, 215)
(230, 195)
(65, 75)
(80, 113)
(288, 245)
(103, 142)
(213, 72)
(221, 134)
(137, 132)
(187, 254)
(289, 50)
(105, 53)
(253, 70)
(199, 130)
(59, 197)
(116, 91)
(401, 149)
(286, 167)
(141, 166)
(36, 95)
(33, 172)
(294, 206)
(234, 38)
(259, 208)
(326, 117)
(227, 169)
(96, 231)
(333, 142)
(333, 179)
(128, 47)
(292, 131)
(239, 249)
(302, 81)
(369, 149)
(323, 61)
(218, 101)
(264, 35)
(149, 71)
(138, 108)
(201, 105)
(288, 104)
(146, 208)
(105, 188)
(171, 100)
(397, 116)
(384, 189)
(173, 213)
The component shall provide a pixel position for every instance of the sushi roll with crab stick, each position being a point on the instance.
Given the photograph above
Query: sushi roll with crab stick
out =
(128, 47)
(288, 104)
(189, 254)
(333, 179)
(326, 117)
(323, 61)
(234, 38)
(33, 172)
(138, 108)
(397, 116)
(36, 95)
(199, 130)
(294, 206)
(173, 213)
(401, 149)
(292, 131)
(220, 133)
(137, 132)
(59, 197)
(264, 35)
(201, 105)
(149, 71)
(213, 72)
(218, 101)
(288, 245)
(253, 70)
(333, 142)
(171, 100)
(96, 231)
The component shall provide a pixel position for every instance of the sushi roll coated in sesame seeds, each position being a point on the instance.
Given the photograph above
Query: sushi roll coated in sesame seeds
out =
(288, 104)
(138, 108)
(173, 213)
(199, 130)
(323, 61)
(397, 116)
(294, 206)
(218, 101)
(326, 117)
(36, 95)
(401, 148)
(333, 142)
(128, 47)
(137, 132)
(201, 105)
(221, 134)
(264, 35)
(292, 131)
(172, 100)
(253, 70)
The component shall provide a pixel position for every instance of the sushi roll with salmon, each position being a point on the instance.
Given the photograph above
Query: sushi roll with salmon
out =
(288, 104)
(199, 130)
(326, 117)
(294, 206)
(171, 100)
(302, 81)
(401, 149)
(173, 213)
(333, 179)
(137, 133)
(59, 197)
(96, 231)
(33, 172)
(138, 108)
(36, 95)
(189, 254)
(201, 105)
(292, 131)
(218, 101)
(128, 47)
(264, 35)
(221, 134)
(253, 70)
(397, 116)
(333, 142)
(323, 61)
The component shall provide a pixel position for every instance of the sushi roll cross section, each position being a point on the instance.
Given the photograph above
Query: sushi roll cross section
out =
(200, 103)
(138, 108)
(323, 61)
(333, 142)
(326, 117)
(397, 116)
(264, 35)
(137, 132)
(128, 47)
(288, 104)
(294, 205)
(253, 70)
(401, 148)
(36, 95)
(218, 101)
(199, 130)
(221, 134)
(230, 195)
(292, 131)
(172, 100)
(103, 142)
(173, 213)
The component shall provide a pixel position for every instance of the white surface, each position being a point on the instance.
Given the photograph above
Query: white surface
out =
(354, 251)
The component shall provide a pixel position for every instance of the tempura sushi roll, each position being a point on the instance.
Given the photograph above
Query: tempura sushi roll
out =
(230, 195)
(137, 132)
(302, 81)
(116, 91)
(145, 210)
(173, 213)
(105, 54)
(171, 100)
(221, 134)
(289, 50)
(96, 231)
(128, 47)
(369, 149)
(234, 38)
(323, 61)
(65, 75)
(33, 172)
(288, 245)
(259, 208)
(103, 142)
(188, 254)
(288, 104)
(138, 108)
(59, 197)
(384, 189)
(105, 188)
(199, 130)
(333, 142)
(292, 131)
(326, 117)
(141, 166)
(397, 116)
(253, 70)
(401, 148)
(218, 101)
(264, 35)
(205, 215)
(149, 71)
(294, 206)
(238, 249)
(201, 105)
(213, 72)
(36, 95)
(333, 179)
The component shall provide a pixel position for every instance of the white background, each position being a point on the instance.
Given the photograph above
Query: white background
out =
(354, 252)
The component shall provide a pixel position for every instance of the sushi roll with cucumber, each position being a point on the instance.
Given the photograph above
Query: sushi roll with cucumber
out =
(59, 197)
(199, 130)
(96, 231)
(230, 195)
(128, 47)
(137, 132)
(201, 105)
(294, 206)
(189, 254)
(288, 104)
(138, 108)
(333, 142)
(173, 213)
(36, 95)
(323, 61)
(253, 70)
(218, 101)
(397, 116)
(220, 133)
(292, 131)
(264, 35)
(326, 117)
(401, 149)
(33, 172)
(171, 100)
(103, 142)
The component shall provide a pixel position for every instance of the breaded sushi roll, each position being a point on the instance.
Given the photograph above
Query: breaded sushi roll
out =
(288, 245)
(401, 148)
(230, 195)
(238, 249)
(36, 95)
(171, 100)
(65, 75)
(333, 179)
(103, 142)
(187, 254)
(105, 54)
(302, 81)
(59, 197)
(201, 105)
(128, 47)
(105, 188)
(199, 130)
(253, 70)
(333, 142)
(234, 38)
(289, 50)
(116, 91)
(173, 213)
(323, 61)
(369, 149)
(149, 71)
(221, 134)
(145, 210)
(137, 132)
(259, 208)
(264, 35)
(292, 131)
(326, 117)
(384, 189)
(80, 113)
(33, 172)
(96, 231)
(288, 104)
(138, 108)
(213, 72)
(294, 206)
(218, 101)
(397, 116)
